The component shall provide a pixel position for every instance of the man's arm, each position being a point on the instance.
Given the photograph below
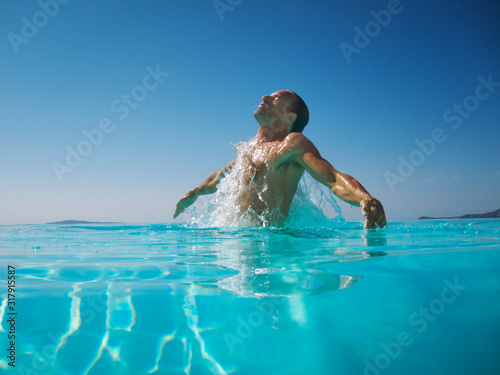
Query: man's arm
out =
(209, 186)
(342, 185)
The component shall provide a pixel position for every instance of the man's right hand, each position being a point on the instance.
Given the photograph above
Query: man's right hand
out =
(184, 203)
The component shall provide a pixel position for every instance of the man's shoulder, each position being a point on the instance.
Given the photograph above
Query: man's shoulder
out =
(297, 145)
(298, 141)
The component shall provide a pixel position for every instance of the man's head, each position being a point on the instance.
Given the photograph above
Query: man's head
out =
(283, 107)
(299, 107)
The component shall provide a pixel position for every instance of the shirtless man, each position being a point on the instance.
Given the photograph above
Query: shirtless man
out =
(274, 161)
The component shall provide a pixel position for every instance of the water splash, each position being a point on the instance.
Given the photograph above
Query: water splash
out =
(224, 208)
(313, 205)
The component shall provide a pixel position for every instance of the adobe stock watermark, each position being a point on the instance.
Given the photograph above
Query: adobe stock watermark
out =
(454, 116)
(40, 359)
(30, 26)
(364, 36)
(121, 106)
(419, 321)
(254, 320)
(223, 6)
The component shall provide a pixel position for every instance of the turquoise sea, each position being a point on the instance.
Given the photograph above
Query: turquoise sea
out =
(419, 297)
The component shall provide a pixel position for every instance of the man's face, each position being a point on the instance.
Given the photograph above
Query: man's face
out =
(274, 107)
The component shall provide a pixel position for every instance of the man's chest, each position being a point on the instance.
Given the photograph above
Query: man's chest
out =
(267, 156)
(263, 163)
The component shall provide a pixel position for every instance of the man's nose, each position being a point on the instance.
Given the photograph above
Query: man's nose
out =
(265, 98)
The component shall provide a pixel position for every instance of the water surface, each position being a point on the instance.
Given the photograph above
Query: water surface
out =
(417, 297)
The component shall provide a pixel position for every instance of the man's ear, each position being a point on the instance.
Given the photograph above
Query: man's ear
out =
(291, 117)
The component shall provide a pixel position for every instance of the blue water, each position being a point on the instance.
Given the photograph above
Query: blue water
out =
(415, 298)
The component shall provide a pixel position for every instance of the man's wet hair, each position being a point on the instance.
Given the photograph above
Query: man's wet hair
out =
(299, 107)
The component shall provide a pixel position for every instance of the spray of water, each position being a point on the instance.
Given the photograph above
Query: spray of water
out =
(313, 205)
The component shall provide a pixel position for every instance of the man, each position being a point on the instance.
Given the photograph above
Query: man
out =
(269, 168)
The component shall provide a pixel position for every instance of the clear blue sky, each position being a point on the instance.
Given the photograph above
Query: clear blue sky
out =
(68, 74)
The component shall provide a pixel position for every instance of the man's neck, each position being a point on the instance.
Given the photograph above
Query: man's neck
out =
(270, 134)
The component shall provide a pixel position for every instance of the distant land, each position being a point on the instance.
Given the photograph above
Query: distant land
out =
(488, 215)
(82, 222)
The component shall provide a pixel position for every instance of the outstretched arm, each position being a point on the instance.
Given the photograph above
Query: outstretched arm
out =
(342, 185)
(209, 186)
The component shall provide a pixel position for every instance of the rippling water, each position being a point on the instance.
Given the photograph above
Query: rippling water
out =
(417, 297)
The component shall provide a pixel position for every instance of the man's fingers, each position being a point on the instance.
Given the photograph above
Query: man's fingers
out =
(375, 218)
(379, 218)
(372, 213)
(370, 224)
(383, 219)
(368, 210)
(178, 210)
(384, 222)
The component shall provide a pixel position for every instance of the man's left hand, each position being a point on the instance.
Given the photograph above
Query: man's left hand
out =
(374, 212)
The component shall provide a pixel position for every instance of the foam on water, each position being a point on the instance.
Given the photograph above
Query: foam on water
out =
(313, 204)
